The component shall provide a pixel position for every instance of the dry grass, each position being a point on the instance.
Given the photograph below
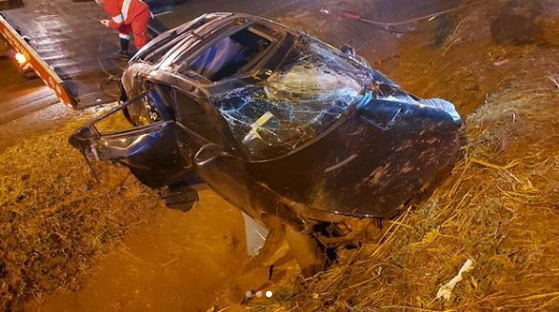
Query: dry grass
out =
(55, 217)
(499, 207)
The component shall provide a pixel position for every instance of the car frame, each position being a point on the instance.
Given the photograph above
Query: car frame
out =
(381, 148)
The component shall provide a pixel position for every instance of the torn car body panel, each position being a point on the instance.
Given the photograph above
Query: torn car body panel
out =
(150, 151)
(276, 122)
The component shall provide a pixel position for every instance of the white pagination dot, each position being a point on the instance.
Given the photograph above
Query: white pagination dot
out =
(258, 294)
(268, 294)
(249, 294)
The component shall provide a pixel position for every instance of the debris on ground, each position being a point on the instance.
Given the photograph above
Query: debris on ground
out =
(446, 290)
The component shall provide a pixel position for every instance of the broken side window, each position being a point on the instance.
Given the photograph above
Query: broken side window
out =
(146, 110)
(229, 55)
(310, 91)
(138, 113)
(184, 105)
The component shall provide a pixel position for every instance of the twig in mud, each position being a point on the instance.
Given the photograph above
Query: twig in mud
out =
(417, 19)
(457, 27)
(459, 180)
(450, 46)
(456, 40)
(168, 263)
(554, 81)
(493, 166)
(401, 308)
(126, 251)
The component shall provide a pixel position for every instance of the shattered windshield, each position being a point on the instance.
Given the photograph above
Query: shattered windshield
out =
(312, 89)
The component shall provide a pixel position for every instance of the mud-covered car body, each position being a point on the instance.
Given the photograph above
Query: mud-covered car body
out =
(276, 122)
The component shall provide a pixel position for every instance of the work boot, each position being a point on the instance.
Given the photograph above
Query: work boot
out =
(123, 53)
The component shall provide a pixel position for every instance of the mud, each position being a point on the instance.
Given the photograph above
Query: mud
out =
(508, 88)
(335, 22)
(176, 263)
(34, 123)
(517, 22)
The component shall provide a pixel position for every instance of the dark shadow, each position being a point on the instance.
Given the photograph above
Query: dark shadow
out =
(10, 4)
(161, 6)
(443, 28)
(516, 23)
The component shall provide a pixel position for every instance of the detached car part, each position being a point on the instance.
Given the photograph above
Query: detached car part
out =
(277, 122)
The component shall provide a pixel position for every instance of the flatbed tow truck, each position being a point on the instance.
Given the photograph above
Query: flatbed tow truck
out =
(62, 48)
(64, 43)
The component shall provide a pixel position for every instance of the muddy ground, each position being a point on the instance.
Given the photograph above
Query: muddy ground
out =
(109, 245)
(68, 243)
(498, 61)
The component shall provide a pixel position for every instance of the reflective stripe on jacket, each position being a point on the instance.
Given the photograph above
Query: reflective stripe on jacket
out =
(123, 11)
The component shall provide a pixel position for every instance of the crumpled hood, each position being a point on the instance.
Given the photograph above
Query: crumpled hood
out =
(133, 74)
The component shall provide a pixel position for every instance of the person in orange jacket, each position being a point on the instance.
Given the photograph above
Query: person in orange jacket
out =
(127, 17)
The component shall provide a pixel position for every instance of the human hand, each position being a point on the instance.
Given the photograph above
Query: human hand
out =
(105, 22)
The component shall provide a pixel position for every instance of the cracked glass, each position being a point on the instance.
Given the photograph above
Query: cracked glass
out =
(312, 88)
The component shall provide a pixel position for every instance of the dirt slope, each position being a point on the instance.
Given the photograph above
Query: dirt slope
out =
(56, 217)
(499, 207)
(69, 243)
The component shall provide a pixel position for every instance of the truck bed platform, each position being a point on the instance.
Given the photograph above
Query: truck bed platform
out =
(65, 38)
(70, 50)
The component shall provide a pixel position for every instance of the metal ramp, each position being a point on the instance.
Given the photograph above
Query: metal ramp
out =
(67, 35)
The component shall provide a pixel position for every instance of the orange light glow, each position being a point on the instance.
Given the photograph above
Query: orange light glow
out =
(21, 59)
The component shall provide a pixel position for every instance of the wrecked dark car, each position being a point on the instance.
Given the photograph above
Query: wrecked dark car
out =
(282, 125)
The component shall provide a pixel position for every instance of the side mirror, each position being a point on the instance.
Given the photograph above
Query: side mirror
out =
(207, 154)
(348, 50)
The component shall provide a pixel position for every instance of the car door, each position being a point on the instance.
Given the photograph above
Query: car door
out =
(149, 148)
(201, 128)
(219, 157)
